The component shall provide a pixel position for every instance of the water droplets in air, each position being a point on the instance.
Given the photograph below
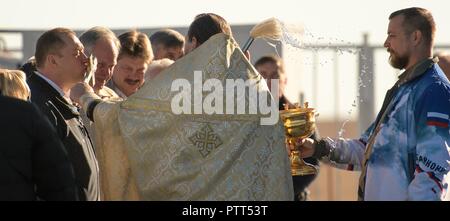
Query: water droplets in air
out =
(347, 119)
(302, 39)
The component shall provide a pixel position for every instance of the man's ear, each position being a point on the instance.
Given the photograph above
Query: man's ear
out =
(247, 55)
(52, 59)
(417, 37)
(194, 43)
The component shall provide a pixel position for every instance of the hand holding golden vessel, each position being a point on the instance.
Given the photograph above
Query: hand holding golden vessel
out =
(299, 123)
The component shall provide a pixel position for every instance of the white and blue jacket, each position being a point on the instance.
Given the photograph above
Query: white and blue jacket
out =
(411, 154)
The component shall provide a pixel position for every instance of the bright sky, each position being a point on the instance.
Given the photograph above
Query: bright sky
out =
(331, 20)
(344, 19)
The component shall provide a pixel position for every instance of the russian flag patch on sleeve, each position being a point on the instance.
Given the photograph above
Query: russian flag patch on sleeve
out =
(437, 119)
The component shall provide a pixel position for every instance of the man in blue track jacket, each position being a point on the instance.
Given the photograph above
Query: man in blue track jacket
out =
(404, 154)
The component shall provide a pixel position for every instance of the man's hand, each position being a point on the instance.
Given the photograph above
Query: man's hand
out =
(90, 71)
(247, 55)
(306, 147)
(79, 90)
(289, 147)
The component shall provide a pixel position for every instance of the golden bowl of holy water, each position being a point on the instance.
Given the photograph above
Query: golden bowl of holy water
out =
(299, 123)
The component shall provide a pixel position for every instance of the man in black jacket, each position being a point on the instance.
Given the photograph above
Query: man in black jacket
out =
(60, 64)
(33, 162)
(271, 67)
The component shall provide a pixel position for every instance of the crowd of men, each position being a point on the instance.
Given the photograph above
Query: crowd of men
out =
(75, 129)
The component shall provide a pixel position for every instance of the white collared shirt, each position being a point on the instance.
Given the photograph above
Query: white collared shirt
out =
(113, 86)
(120, 93)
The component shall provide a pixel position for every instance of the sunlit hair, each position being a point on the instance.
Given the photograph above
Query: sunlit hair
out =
(51, 42)
(273, 60)
(168, 38)
(13, 84)
(206, 25)
(418, 19)
(91, 36)
(156, 67)
(136, 45)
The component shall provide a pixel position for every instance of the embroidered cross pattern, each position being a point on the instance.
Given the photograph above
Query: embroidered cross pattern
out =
(205, 140)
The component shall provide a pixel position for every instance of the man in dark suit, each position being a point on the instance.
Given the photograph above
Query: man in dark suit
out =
(33, 162)
(60, 64)
(271, 67)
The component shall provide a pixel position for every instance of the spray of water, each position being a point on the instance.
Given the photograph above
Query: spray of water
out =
(347, 119)
(296, 37)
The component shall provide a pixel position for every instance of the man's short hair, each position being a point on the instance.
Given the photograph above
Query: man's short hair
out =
(135, 44)
(91, 36)
(168, 38)
(418, 19)
(50, 42)
(271, 59)
(206, 25)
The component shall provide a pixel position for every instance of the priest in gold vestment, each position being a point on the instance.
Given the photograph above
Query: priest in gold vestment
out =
(147, 152)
